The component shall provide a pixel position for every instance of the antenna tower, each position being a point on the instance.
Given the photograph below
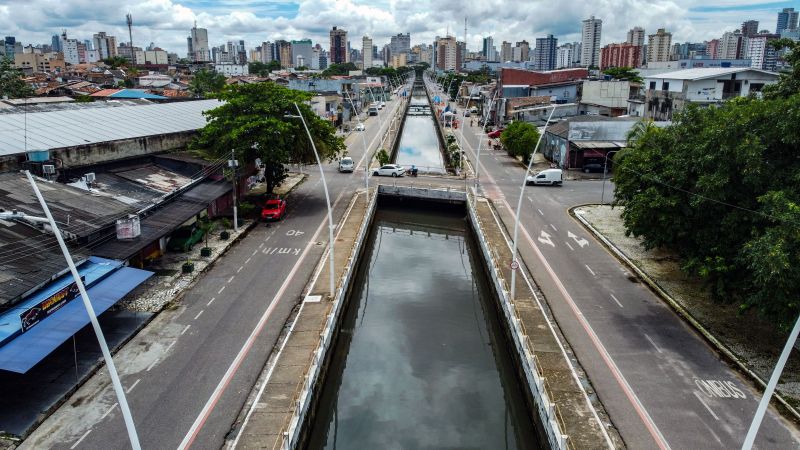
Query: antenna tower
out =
(129, 20)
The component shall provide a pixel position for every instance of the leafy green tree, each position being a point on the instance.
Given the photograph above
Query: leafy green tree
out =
(115, 62)
(339, 69)
(252, 122)
(623, 73)
(263, 69)
(206, 83)
(789, 83)
(11, 82)
(721, 188)
(520, 139)
(382, 156)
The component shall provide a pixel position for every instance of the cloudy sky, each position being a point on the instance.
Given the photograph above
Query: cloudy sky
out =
(167, 22)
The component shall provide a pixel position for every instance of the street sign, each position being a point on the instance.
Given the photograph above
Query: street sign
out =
(514, 265)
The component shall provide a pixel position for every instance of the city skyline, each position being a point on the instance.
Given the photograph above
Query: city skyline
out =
(167, 22)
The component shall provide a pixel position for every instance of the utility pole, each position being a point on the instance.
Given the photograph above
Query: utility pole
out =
(233, 163)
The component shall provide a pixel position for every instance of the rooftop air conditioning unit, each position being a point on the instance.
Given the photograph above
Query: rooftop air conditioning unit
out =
(48, 169)
(89, 177)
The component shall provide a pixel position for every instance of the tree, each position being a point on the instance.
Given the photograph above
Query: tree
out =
(252, 122)
(115, 62)
(721, 188)
(789, 83)
(339, 69)
(520, 139)
(11, 82)
(262, 69)
(623, 73)
(206, 83)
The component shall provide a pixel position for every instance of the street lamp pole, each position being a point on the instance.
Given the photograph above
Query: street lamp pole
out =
(112, 369)
(327, 199)
(519, 207)
(605, 169)
(363, 141)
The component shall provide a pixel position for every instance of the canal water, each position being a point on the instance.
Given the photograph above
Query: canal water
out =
(419, 143)
(420, 360)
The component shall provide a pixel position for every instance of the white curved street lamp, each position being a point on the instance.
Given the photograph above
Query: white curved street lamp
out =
(327, 198)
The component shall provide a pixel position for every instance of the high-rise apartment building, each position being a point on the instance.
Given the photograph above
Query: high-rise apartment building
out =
(302, 53)
(448, 53)
(659, 46)
(338, 53)
(366, 52)
(505, 51)
(55, 43)
(712, 48)
(544, 54)
(105, 45)
(400, 43)
(521, 51)
(636, 36)
(10, 46)
(731, 45)
(760, 53)
(621, 55)
(489, 51)
(197, 43)
(590, 42)
(564, 57)
(787, 20)
(749, 28)
(70, 49)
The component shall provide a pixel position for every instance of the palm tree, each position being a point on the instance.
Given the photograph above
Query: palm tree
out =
(638, 130)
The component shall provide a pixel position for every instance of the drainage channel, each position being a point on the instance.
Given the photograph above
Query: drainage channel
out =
(421, 358)
(419, 144)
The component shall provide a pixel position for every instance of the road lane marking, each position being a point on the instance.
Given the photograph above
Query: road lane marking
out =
(172, 343)
(247, 261)
(254, 252)
(590, 270)
(653, 343)
(540, 212)
(198, 423)
(128, 391)
(211, 301)
(544, 238)
(109, 411)
(651, 426)
(529, 198)
(700, 399)
(570, 247)
(582, 242)
(185, 329)
(615, 299)
(239, 269)
(553, 227)
(78, 442)
(152, 364)
(199, 314)
(261, 245)
(220, 290)
(231, 278)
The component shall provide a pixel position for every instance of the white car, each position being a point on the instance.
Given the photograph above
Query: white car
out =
(553, 177)
(383, 104)
(360, 127)
(390, 169)
(346, 164)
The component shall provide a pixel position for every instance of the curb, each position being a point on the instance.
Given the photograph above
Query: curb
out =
(683, 312)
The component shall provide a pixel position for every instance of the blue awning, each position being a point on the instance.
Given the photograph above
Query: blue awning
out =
(27, 349)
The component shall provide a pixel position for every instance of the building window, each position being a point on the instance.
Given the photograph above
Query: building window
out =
(653, 85)
(665, 86)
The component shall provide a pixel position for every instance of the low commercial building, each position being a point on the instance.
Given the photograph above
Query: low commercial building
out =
(607, 98)
(232, 70)
(575, 141)
(560, 86)
(670, 92)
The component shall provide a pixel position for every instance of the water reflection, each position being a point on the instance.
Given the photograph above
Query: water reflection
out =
(419, 144)
(420, 361)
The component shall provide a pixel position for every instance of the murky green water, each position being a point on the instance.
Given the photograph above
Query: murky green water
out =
(420, 361)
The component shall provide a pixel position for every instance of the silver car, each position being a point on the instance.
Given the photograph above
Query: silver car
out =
(346, 164)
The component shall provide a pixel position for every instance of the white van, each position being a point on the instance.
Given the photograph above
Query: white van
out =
(346, 164)
(552, 177)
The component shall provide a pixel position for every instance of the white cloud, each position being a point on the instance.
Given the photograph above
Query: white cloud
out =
(167, 22)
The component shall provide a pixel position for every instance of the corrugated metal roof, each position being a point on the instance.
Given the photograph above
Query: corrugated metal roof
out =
(68, 128)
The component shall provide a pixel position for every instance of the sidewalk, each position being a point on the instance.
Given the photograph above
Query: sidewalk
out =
(750, 341)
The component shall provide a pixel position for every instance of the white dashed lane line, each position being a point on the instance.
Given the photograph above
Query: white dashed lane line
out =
(78, 442)
(109, 410)
(211, 301)
(652, 343)
(700, 399)
(540, 212)
(553, 227)
(254, 252)
(220, 290)
(239, 269)
(128, 391)
(247, 261)
(590, 270)
(199, 314)
(231, 278)
(570, 247)
(615, 299)
(185, 330)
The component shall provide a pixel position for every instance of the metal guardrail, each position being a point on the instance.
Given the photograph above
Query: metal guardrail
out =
(553, 422)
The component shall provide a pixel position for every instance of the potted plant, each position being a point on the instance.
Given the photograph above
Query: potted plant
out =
(187, 267)
(207, 226)
(225, 234)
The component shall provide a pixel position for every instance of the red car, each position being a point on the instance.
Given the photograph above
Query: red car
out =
(273, 210)
(496, 133)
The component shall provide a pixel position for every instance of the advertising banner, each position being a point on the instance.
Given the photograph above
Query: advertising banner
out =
(48, 306)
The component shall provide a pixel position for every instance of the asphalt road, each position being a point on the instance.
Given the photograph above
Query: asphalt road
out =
(661, 384)
(189, 372)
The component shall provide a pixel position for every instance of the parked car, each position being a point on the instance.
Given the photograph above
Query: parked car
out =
(273, 209)
(346, 164)
(360, 127)
(184, 238)
(593, 167)
(390, 169)
(383, 104)
(552, 177)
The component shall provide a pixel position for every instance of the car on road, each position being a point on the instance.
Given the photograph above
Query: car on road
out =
(383, 104)
(360, 127)
(552, 177)
(184, 238)
(593, 167)
(496, 133)
(372, 111)
(346, 164)
(273, 209)
(390, 170)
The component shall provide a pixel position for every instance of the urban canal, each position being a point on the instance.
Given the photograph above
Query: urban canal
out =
(419, 143)
(421, 360)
